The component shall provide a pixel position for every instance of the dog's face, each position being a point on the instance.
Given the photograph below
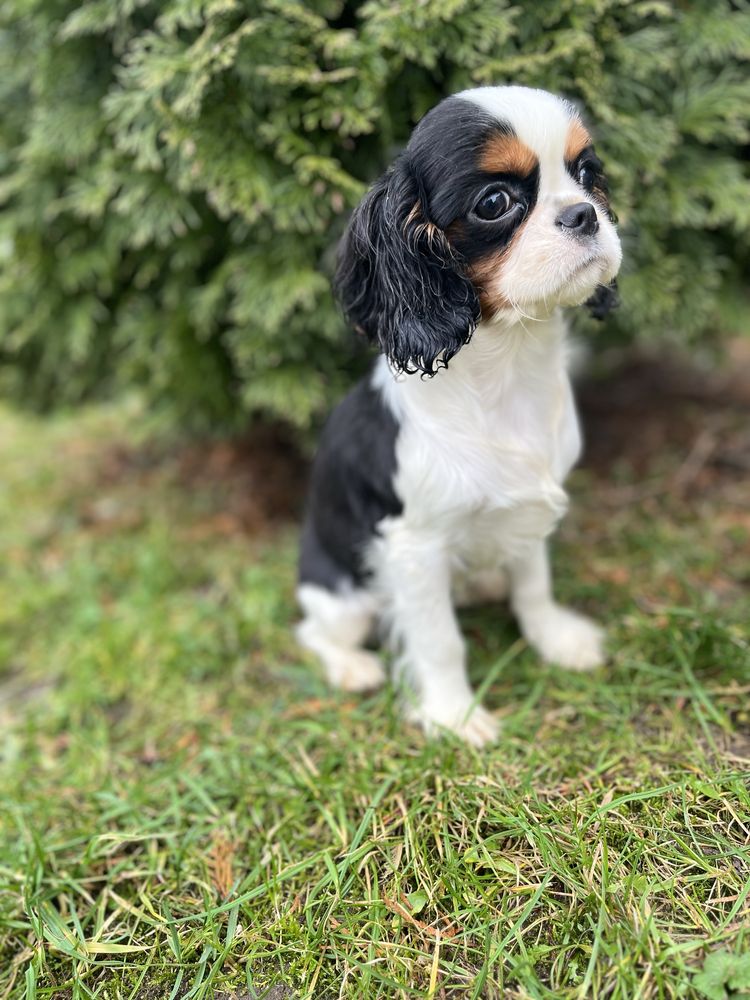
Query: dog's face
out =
(497, 208)
(530, 216)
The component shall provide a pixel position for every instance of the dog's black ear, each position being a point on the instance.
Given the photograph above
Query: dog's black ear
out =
(604, 300)
(399, 281)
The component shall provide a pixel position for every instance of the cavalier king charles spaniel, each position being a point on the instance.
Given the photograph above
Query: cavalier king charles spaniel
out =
(440, 476)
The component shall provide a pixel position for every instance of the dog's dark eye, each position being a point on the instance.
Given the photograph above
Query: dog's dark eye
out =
(493, 205)
(586, 176)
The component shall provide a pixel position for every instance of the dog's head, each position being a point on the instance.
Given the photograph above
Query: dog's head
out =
(497, 209)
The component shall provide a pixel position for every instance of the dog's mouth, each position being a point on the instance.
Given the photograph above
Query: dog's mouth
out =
(583, 278)
(574, 285)
(568, 277)
(596, 258)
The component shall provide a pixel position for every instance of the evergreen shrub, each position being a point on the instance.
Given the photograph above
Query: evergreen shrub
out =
(174, 176)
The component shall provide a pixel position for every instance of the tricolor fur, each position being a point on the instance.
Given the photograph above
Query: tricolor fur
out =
(439, 478)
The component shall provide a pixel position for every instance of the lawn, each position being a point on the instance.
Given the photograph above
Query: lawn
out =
(188, 811)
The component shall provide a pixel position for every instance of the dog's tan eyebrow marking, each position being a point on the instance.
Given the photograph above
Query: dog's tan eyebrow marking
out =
(506, 154)
(576, 140)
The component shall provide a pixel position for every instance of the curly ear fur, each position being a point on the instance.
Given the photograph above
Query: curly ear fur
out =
(399, 281)
(604, 300)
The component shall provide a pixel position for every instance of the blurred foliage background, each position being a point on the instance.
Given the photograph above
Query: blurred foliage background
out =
(174, 177)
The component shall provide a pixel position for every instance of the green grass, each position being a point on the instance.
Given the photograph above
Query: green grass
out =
(187, 810)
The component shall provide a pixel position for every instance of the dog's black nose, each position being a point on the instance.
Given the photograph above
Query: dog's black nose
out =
(579, 219)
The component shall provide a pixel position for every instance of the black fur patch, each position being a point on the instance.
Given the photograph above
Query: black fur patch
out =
(605, 297)
(351, 489)
(604, 300)
(398, 280)
(600, 186)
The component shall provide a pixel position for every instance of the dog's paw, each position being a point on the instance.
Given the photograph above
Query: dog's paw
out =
(347, 667)
(566, 638)
(355, 670)
(474, 725)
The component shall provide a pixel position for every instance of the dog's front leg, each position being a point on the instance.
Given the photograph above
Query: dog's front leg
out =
(414, 573)
(558, 634)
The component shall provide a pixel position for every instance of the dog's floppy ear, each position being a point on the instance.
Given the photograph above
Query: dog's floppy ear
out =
(604, 300)
(399, 281)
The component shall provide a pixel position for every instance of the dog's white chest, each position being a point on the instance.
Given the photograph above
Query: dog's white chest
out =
(483, 449)
(497, 478)
(470, 441)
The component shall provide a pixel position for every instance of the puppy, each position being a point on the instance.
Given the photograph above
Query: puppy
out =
(440, 476)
